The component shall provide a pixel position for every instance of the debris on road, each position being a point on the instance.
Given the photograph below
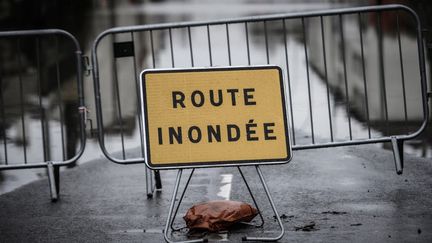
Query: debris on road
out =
(358, 224)
(218, 215)
(307, 227)
(334, 212)
(284, 217)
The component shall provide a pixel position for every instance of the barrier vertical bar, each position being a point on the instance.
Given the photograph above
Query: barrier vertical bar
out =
(326, 78)
(308, 80)
(289, 81)
(364, 76)
(3, 117)
(171, 48)
(21, 89)
(401, 67)
(266, 42)
(228, 43)
(247, 43)
(45, 143)
(152, 49)
(139, 100)
(347, 100)
(149, 181)
(209, 46)
(382, 70)
(118, 102)
(190, 46)
(59, 97)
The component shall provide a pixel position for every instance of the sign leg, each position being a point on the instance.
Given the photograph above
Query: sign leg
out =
(246, 238)
(253, 198)
(180, 200)
(170, 212)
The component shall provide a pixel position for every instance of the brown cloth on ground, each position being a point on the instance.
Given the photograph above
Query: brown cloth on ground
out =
(218, 215)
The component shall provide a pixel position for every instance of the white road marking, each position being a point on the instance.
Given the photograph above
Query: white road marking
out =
(225, 189)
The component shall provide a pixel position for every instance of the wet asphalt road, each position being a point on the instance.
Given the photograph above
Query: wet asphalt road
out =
(339, 194)
(327, 195)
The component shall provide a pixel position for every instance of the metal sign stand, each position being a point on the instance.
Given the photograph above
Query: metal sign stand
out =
(158, 157)
(171, 216)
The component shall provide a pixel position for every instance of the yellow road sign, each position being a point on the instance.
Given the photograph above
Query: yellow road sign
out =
(214, 117)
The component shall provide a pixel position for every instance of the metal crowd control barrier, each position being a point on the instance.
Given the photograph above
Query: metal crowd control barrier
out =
(355, 99)
(41, 102)
(352, 100)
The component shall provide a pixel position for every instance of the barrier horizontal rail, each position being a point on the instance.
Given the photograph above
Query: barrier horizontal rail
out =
(366, 44)
(42, 108)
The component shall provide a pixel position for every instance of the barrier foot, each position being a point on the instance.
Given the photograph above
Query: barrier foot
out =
(54, 180)
(150, 188)
(149, 183)
(247, 238)
(158, 180)
(170, 212)
(397, 146)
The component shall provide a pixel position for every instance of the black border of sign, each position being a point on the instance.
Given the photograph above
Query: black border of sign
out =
(211, 163)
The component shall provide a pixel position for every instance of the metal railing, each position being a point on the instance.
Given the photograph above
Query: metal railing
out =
(373, 90)
(42, 110)
(376, 78)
